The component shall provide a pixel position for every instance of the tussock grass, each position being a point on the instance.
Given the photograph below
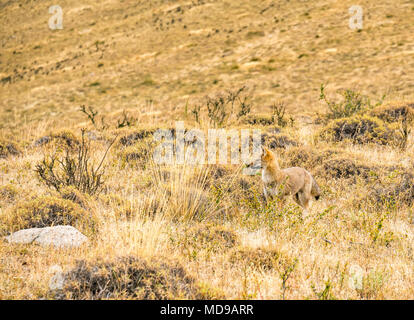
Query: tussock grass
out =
(210, 222)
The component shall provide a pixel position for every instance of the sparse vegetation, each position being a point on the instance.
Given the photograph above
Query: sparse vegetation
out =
(204, 231)
(46, 211)
(352, 103)
(222, 106)
(8, 148)
(361, 129)
(73, 170)
(129, 277)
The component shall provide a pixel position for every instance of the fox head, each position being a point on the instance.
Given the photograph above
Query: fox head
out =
(267, 156)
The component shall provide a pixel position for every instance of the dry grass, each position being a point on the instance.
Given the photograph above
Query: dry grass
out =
(154, 62)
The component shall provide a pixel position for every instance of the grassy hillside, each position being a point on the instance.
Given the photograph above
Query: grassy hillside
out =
(142, 65)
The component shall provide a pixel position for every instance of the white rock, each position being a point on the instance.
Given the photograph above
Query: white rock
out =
(58, 236)
(57, 281)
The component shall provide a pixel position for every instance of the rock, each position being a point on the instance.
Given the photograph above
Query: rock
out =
(58, 236)
(57, 281)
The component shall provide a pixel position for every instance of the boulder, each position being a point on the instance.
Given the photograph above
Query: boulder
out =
(58, 236)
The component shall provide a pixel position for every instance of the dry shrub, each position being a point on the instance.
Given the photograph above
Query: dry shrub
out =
(274, 141)
(63, 139)
(132, 138)
(122, 207)
(394, 112)
(187, 204)
(8, 193)
(129, 207)
(8, 148)
(360, 129)
(130, 278)
(223, 177)
(344, 168)
(305, 156)
(217, 175)
(209, 237)
(73, 168)
(74, 195)
(257, 258)
(399, 191)
(263, 120)
(67, 138)
(46, 211)
(183, 196)
(138, 153)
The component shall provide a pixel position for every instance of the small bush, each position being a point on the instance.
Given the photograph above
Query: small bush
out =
(304, 156)
(130, 278)
(360, 129)
(223, 105)
(352, 103)
(73, 170)
(344, 168)
(394, 112)
(400, 113)
(257, 258)
(278, 115)
(300, 157)
(61, 140)
(8, 148)
(218, 172)
(259, 119)
(66, 139)
(8, 193)
(73, 194)
(400, 190)
(47, 211)
(134, 137)
(208, 237)
(274, 141)
(138, 153)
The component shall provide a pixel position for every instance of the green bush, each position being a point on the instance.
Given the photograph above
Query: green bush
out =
(352, 103)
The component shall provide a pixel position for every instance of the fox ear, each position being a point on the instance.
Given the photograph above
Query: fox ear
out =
(266, 150)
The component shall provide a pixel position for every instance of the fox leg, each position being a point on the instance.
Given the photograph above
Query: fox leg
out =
(296, 198)
(304, 199)
(266, 194)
